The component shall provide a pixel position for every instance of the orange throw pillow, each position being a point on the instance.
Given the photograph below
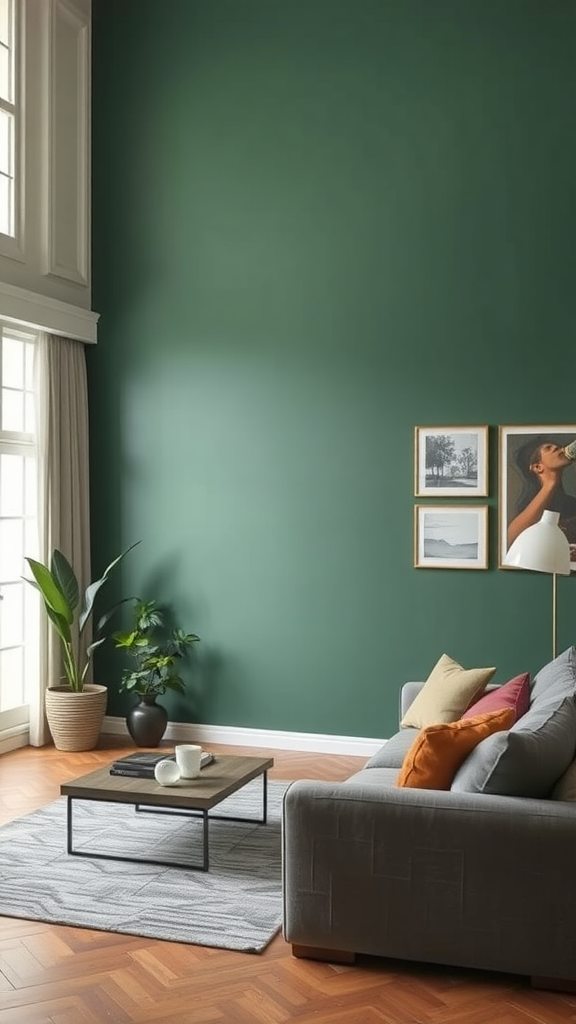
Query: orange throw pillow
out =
(438, 751)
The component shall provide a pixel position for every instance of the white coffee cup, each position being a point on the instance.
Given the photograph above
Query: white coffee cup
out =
(167, 773)
(188, 759)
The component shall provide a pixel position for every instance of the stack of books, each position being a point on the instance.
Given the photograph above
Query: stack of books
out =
(141, 765)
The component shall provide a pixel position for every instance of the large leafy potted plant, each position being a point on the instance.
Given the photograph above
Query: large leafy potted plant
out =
(155, 652)
(74, 710)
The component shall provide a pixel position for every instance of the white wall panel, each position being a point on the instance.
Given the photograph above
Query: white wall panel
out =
(66, 202)
(50, 257)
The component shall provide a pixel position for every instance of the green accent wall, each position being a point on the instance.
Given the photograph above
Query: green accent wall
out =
(318, 223)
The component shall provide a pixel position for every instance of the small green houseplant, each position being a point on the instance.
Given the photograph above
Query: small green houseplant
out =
(75, 710)
(156, 653)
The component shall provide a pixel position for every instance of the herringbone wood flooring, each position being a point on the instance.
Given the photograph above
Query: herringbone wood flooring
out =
(58, 975)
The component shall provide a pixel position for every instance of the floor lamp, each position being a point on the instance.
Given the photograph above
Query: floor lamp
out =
(543, 548)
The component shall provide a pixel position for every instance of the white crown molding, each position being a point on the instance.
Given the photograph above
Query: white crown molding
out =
(182, 732)
(46, 314)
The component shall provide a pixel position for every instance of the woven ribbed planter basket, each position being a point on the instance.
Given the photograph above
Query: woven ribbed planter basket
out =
(75, 719)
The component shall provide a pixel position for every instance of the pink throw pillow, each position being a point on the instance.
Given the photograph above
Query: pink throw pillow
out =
(514, 694)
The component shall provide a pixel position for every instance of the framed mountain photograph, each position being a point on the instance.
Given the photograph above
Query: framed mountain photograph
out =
(450, 537)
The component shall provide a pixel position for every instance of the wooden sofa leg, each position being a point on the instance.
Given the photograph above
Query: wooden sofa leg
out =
(553, 984)
(337, 956)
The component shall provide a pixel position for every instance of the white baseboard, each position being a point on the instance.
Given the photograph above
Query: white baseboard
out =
(181, 732)
(13, 739)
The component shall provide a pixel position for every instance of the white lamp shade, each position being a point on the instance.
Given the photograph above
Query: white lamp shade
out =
(543, 547)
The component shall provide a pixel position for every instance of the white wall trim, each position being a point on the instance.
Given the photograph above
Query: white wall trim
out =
(46, 314)
(319, 743)
(75, 209)
(12, 739)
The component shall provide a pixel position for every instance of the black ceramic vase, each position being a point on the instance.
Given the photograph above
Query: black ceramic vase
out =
(147, 721)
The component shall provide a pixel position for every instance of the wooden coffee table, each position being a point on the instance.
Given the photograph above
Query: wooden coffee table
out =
(189, 797)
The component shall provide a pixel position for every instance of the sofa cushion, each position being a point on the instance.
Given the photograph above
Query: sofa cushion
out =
(514, 694)
(565, 788)
(392, 754)
(384, 778)
(530, 758)
(446, 693)
(439, 750)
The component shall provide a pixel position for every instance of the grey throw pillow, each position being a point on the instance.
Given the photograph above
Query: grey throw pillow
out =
(556, 679)
(529, 758)
(392, 754)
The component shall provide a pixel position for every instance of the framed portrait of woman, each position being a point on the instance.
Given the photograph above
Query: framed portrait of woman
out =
(536, 474)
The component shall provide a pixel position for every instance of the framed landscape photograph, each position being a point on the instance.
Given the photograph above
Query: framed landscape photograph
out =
(450, 537)
(451, 462)
(535, 474)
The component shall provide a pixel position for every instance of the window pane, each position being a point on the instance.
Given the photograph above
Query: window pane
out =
(11, 678)
(29, 418)
(5, 90)
(31, 601)
(5, 205)
(11, 485)
(11, 549)
(5, 19)
(30, 486)
(19, 607)
(30, 540)
(12, 410)
(11, 616)
(29, 365)
(12, 363)
(7, 50)
(6, 126)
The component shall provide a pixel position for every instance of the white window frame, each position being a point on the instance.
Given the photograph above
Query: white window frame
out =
(12, 245)
(15, 720)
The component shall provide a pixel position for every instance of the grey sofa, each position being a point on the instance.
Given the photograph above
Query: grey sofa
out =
(468, 877)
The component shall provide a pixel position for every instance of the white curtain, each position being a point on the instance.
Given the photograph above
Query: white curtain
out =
(63, 489)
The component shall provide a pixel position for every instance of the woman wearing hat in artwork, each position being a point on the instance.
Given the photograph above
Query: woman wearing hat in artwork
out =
(542, 463)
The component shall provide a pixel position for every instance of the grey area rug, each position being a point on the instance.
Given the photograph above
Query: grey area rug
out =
(237, 904)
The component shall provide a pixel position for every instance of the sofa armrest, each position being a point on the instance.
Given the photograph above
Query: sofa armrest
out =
(457, 878)
(408, 693)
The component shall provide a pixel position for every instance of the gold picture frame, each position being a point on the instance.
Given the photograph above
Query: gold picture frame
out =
(451, 462)
(520, 479)
(451, 536)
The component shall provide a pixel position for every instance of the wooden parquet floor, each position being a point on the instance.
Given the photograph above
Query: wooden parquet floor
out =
(59, 975)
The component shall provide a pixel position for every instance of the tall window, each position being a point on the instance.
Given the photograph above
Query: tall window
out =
(18, 524)
(9, 127)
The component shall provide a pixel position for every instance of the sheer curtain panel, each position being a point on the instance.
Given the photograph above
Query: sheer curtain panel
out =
(63, 489)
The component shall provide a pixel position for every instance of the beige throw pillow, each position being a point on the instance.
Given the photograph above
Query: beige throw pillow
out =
(446, 694)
